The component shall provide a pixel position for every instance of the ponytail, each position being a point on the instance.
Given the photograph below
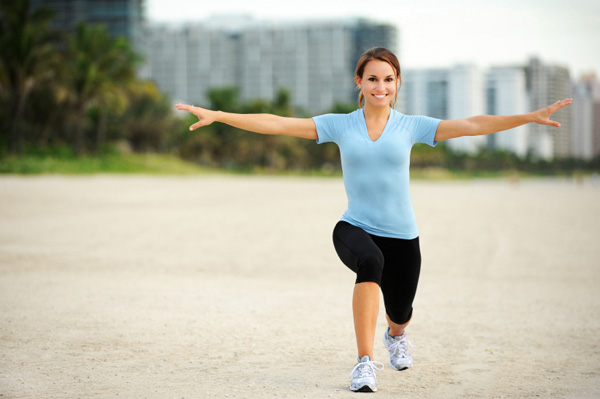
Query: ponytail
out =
(361, 99)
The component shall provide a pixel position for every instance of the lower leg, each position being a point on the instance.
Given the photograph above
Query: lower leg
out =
(365, 307)
(396, 329)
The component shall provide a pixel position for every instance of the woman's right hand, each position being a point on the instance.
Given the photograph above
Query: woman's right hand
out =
(205, 116)
(258, 123)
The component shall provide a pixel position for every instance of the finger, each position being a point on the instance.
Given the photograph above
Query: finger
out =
(196, 126)
(566, 101)
(560, 104)
(184, 107)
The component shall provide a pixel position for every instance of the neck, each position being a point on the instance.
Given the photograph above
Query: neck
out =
(376, 112)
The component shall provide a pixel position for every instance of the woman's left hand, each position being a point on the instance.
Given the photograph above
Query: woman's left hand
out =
(205, 116)
(542, 116)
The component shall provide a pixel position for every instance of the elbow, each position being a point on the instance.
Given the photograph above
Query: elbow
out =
(472, 128)
(271, 125)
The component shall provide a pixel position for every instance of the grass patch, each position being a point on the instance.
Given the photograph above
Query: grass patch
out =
(33, 164)
(63, 161)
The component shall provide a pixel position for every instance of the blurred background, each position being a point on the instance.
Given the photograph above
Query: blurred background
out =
(88, 86)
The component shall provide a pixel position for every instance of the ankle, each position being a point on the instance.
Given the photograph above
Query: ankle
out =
(395, 332)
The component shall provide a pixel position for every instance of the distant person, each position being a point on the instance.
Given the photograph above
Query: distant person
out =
(377, 236)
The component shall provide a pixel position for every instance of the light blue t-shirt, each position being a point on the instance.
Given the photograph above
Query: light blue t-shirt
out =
(376, 173)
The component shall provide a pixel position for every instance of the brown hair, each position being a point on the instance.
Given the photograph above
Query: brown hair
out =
(381, 54)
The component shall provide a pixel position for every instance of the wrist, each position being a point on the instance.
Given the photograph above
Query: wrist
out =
(530, 117)
(218, 116)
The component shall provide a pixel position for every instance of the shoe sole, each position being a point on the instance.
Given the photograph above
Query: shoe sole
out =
(364, 388)
(401, 369)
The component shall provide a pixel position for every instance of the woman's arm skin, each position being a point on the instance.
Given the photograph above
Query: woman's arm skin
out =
(487, 124)
(258, 123)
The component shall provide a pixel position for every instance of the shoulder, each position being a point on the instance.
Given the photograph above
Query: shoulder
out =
(330, 127)
(409, 119)
(417, 122)
(421, 128)
(337, 120)
(338, 117)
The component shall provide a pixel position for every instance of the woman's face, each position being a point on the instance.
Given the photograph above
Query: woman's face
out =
(379, 83)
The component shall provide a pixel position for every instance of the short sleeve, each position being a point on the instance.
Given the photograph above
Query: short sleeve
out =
(329, 127)
(423, 129)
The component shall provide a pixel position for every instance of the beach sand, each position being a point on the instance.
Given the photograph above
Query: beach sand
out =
(229, 286)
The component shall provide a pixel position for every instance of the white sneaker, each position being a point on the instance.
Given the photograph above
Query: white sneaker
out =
(400, 358)
(363, 375)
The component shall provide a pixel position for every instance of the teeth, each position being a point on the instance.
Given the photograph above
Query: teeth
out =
(379, 95)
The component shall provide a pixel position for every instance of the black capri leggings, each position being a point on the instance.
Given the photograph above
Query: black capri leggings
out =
(393, 263)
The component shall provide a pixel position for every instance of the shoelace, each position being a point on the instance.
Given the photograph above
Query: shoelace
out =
(365, 369)
(399, 346)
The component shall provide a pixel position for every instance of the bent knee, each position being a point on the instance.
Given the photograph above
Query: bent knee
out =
(370, 268)
(400, 314)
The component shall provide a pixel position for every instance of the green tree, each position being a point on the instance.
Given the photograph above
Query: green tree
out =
(149, 122)
(224, 99)
(119, 81)
(98, 67)
(46, 112)
(27, 56)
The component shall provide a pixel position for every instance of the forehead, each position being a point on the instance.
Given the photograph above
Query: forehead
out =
(378, 68)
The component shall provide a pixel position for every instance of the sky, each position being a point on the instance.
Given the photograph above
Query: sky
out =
(439, 33)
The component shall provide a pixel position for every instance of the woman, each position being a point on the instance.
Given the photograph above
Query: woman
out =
(377, 236)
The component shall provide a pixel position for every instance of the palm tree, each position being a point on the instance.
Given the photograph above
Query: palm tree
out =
(149, 119)
(27, 53)
(99, 67)
(120, 64)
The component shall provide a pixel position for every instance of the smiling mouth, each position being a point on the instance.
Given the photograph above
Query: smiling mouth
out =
(379, 95)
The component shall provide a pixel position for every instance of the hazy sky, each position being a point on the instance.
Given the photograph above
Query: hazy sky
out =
(440, 33)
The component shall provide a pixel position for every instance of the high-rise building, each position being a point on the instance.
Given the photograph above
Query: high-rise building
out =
(547, 84)
(367, 34)
(506, 94)
(314, 61)
(452, 93)
(466, 98)
(425, 92)
(121, 17)
(585, 118)
(173, 62)
(464, 90)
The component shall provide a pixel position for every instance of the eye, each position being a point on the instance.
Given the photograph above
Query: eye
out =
(371, 79)
(389, 80)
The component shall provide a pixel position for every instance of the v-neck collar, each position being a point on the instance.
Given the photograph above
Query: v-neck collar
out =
(366, 130)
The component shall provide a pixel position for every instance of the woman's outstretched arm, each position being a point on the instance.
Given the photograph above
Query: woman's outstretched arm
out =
(487, 124)
(258, 123)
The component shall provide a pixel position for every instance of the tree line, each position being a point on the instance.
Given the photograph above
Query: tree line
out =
(79, 93)
(58, 89)
(76, 94)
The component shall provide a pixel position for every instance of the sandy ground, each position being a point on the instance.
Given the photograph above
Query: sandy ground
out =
(222, 287)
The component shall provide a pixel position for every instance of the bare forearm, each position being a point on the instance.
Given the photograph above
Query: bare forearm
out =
(270, 124)
(258, 123)
(488, 124)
